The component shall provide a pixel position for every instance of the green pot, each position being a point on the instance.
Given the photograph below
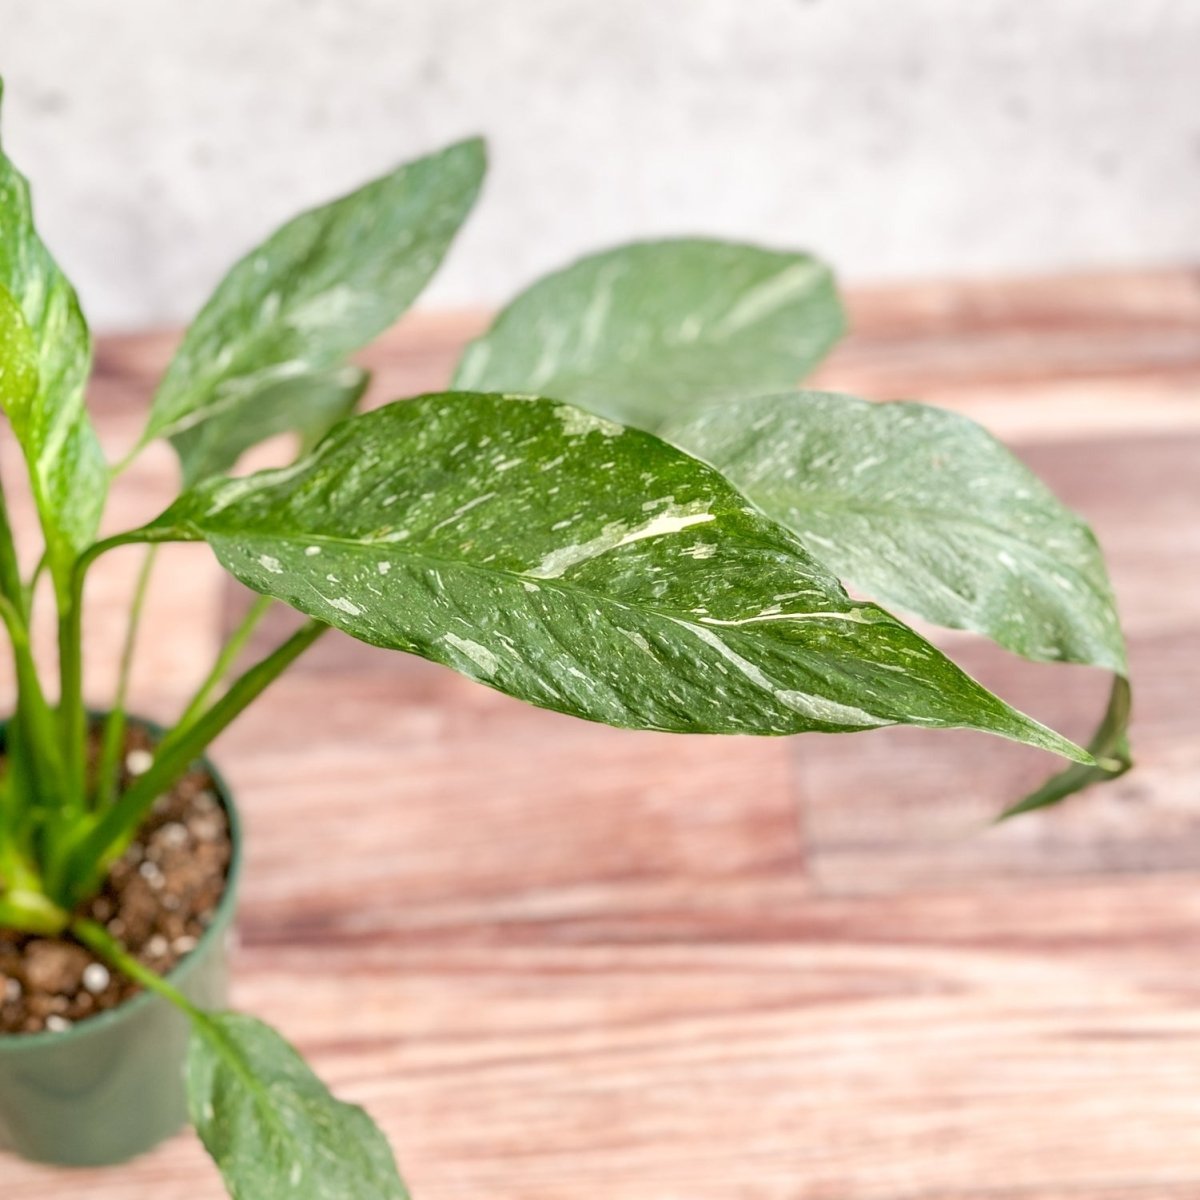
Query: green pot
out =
(112, 1086)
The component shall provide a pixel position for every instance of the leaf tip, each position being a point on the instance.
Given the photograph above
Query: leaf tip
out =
(474, 149)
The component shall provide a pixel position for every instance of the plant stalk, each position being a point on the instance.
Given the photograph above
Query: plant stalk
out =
(32, 582)
(10, 571)
(72, 718)
(33, 719)
(98, 939)
(32, 912)
(114, 728)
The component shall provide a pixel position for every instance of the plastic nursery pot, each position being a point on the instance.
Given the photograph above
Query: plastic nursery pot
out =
(112, 1086)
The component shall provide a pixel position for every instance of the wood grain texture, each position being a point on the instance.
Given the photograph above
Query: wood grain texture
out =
(559, 961)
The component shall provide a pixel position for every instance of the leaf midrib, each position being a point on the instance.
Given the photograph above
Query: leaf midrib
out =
(229, 1050)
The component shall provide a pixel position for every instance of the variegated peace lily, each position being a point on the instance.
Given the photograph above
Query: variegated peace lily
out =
(624, 511)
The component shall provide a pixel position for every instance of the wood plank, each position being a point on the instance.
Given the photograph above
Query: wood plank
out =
(1084, 357)
(750, 1040)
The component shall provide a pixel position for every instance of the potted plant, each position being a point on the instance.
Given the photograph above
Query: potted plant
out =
(623, 511)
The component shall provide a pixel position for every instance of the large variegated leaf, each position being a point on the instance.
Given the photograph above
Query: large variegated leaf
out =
(322, 286)
(309, 404)
(920, 508)
(66, 468)
(272, 1126)
(581, 566)
(924, 509)
(644, 331)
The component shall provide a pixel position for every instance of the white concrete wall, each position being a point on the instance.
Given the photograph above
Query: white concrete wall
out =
(896, 137)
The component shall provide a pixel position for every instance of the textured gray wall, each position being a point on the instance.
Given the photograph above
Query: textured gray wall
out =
(895, 138)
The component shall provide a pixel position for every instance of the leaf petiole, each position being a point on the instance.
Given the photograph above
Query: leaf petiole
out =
(97, 938)
(32, 912)
(34, 719)
(114, 727)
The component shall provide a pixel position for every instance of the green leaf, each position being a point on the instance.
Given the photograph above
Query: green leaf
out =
(581, 566)
(643, 332)
(18, 356)
(67, 470)
(310, 404)
(924, 509)
(918, 508)
(323, 285)
(272, 1126)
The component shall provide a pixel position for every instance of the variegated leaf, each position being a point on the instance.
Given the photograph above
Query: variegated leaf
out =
(18, 356)
(67, 471)
(320, 287)
(644, 332)
(581, 566)
(272, 1126)
(924, 509)
(309, 404)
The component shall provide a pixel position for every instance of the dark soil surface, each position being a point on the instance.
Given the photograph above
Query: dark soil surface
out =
(158, 901)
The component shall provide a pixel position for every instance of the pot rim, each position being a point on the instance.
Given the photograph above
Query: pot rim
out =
(17, 1043)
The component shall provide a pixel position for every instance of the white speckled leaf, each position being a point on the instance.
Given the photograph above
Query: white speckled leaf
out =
(924, 509)
(309, 404)
(67, 471)
(322, 286)
(581, 566)
(272, 1126)
(644, 331)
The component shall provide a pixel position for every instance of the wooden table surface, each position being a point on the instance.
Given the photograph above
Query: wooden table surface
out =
(561, 962)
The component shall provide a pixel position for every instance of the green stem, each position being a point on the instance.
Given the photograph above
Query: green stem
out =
(10, 856)
(31, 584)
(72, 718)
(18, 816)
(98, 939)
(225, 660)
(114, 729)
(10, 571)
(32, 912)
(119, 468)
(175, 754)
(32, 722)
(20, 881)
(34, 718)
